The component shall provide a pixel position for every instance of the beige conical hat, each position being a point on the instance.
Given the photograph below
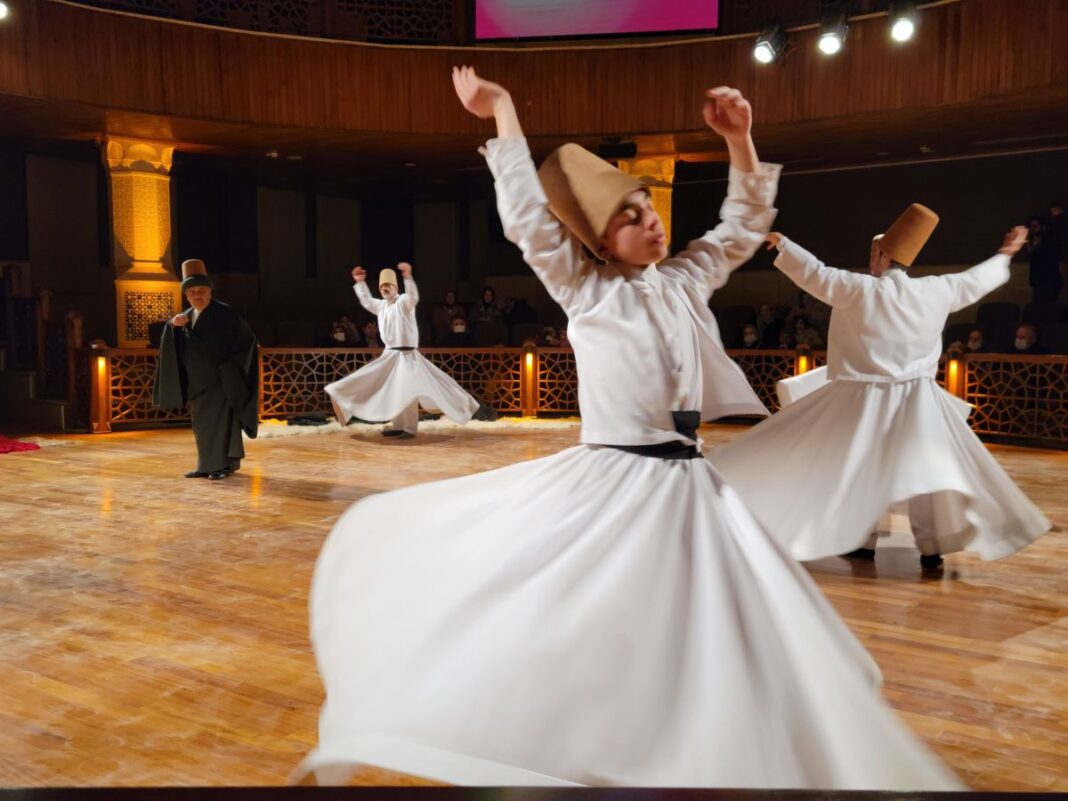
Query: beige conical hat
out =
(388, 276)
(909, 233)
(584, 191)
(194, 273)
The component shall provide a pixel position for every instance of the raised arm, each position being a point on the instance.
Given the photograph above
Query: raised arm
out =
(359, 275)
(969, 286)
(411, 291)
(831, 285)
(747, 211)
(553, 254)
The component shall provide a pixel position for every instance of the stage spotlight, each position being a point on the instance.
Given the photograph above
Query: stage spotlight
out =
(5, 10)
(832, 33)
(770, 45)
(902, 17)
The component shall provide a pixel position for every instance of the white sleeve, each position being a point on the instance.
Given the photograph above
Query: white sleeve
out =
(969, 286)
(411, 291)
(745, 219)
(366, 300)
(555, 256)
(831, 285)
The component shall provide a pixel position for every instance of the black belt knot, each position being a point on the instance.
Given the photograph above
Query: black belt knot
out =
(686, 423)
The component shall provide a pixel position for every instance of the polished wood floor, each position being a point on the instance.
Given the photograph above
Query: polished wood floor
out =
(154, 629)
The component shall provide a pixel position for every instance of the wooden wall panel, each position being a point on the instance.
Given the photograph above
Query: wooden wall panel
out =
(963, 52)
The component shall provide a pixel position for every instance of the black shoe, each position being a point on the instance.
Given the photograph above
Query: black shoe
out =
(861, 553)
(404, 435)
(195, 474)
(394, 432)
(931, 561)
(218, 474)
(485, 413)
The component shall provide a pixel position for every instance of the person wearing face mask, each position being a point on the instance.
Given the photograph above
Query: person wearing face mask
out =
(1026, 341)
(394, 385)
(208, 362)
(337, 336)
(750, 337)
(458, 336)
(631, 624)
(886, 433)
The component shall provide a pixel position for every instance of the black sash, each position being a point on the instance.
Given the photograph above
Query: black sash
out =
(403, 347)
(686, 423)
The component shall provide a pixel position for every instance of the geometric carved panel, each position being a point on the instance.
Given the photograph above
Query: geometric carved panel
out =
(132, 374)
(141, 308)
(294, 381)
(763, 368)
(557, 381)
(493, 376)
(1018, 396)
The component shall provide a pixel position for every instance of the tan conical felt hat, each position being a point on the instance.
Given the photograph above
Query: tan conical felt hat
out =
(194, 273)
(388, 276)
(906, 237)
(584, 191)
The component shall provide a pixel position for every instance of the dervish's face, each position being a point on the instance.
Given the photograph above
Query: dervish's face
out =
(389, 291)
(635, 234)
(199, 297)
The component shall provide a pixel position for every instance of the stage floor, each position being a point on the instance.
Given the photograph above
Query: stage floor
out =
(154, 628)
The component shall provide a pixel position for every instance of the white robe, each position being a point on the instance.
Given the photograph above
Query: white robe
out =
(390, 387)
(598, 616)
(821, 472)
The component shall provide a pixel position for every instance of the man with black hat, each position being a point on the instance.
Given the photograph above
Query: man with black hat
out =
(882, 432)
(207, 359)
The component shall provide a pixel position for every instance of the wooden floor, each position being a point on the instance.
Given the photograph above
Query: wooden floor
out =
(154, 629)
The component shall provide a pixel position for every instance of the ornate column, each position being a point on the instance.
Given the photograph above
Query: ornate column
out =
(658, 172)
(146, 288)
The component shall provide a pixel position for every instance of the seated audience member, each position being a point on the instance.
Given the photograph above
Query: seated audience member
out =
(806, 334)
(458, 335)
(768, 326)
(785, 341)
(369, 331)
(353, 337)
(1027, 341)
(561, 335)
(337, 338)
(974, 343)
(549, 338)
(486, 310)
(817, 315)
(750, 337)
(443, 313)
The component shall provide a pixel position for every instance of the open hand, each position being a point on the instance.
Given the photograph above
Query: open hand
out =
(728, 113)
(359, 275)
(405, 269)
(773, 239)
(478, 95)
(1014, 240)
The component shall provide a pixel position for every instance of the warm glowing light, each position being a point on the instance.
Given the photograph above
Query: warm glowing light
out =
(902, 30)
(530, 362)
(101, 366)
(5, 10)
(952, 375)
(830, 44)
(802, 364)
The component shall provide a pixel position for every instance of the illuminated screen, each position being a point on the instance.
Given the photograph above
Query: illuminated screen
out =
(535, 19)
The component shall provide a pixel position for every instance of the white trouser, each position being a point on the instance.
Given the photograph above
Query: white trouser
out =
(408, 420)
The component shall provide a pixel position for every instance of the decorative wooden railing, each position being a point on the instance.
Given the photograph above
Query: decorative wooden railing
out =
(1022, 398)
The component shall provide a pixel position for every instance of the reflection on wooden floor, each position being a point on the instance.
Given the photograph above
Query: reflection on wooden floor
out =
(154, 628)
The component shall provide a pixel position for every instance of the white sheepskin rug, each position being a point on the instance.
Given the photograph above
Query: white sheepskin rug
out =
(270, 429)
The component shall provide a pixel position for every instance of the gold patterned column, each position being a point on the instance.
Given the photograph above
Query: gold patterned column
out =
(146, 288)
(658, 172)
